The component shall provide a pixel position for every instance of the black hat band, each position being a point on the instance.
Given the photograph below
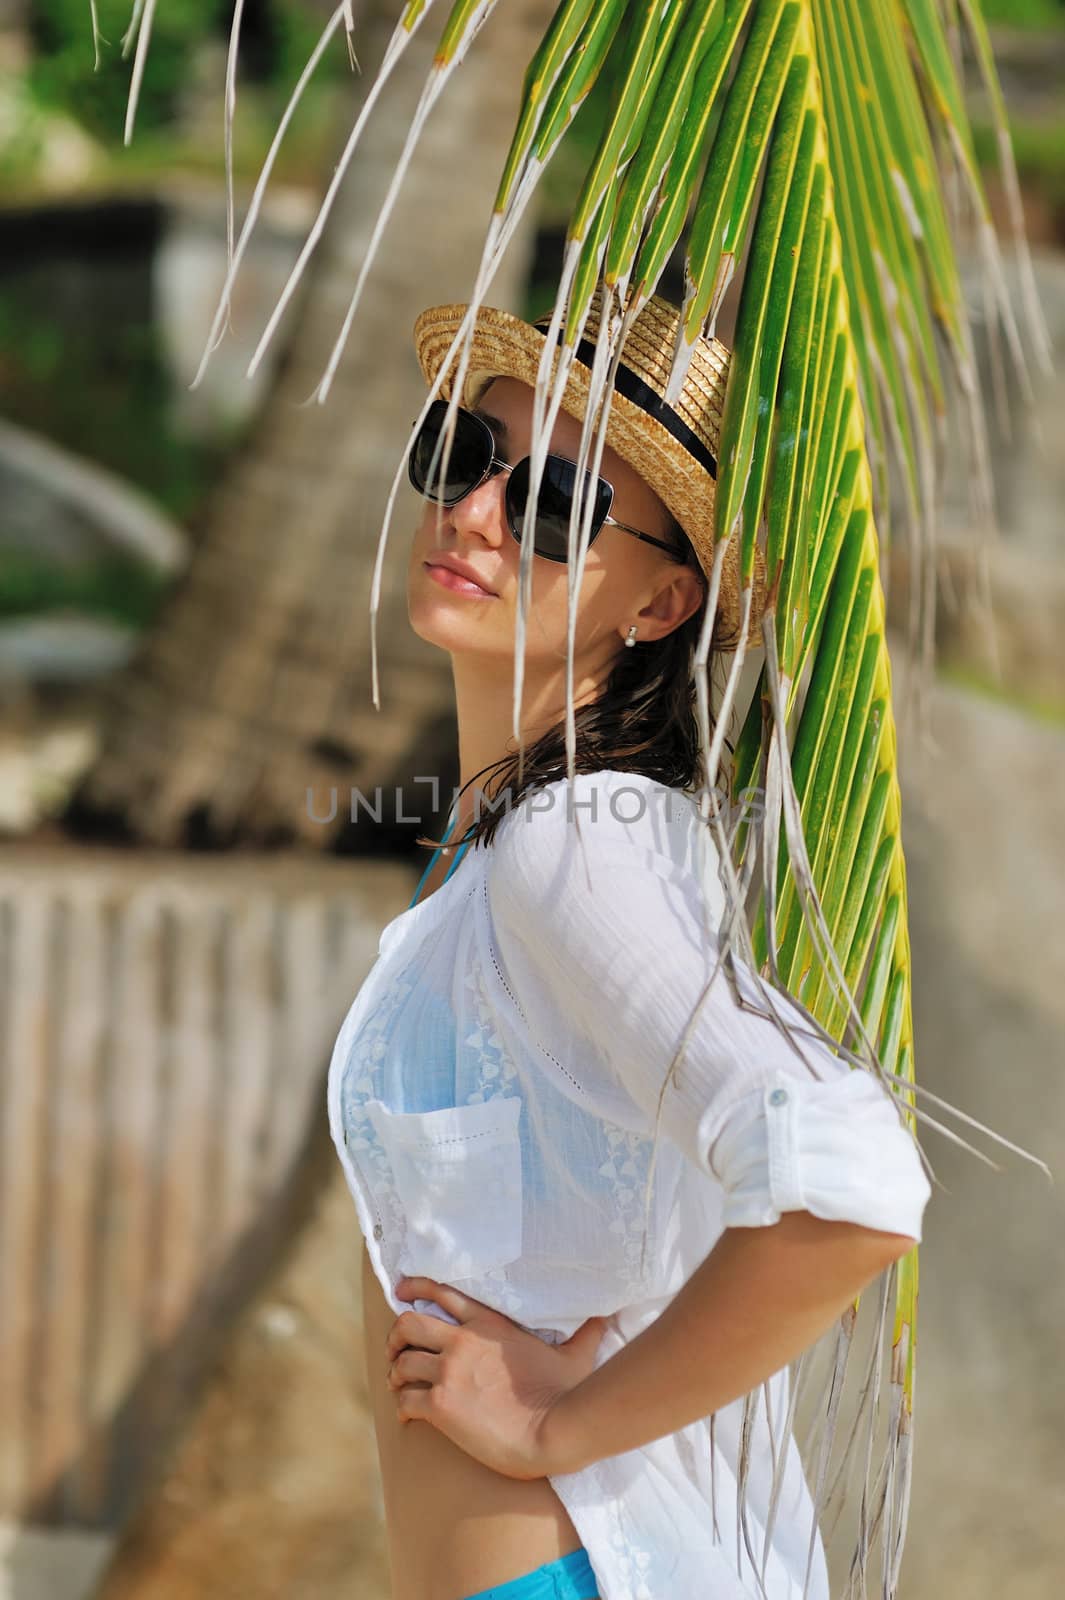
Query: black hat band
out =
(633, 387)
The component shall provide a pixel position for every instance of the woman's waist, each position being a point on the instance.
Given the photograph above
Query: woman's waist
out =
(454, 1525)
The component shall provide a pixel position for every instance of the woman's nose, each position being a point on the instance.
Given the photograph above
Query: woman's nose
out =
(482, 512)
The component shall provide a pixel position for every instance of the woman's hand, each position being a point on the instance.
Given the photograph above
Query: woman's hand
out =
(487, 1383)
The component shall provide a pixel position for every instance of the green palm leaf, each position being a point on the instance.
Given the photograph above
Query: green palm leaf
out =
(817, 136)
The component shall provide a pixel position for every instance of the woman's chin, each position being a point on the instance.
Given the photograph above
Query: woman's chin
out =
(450, 628)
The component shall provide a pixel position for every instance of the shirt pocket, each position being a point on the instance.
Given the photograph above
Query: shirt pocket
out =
(458, 1178)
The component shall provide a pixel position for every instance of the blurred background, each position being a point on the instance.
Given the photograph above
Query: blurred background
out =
(189, 902)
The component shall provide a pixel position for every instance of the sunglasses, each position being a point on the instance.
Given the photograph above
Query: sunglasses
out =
(473, 460)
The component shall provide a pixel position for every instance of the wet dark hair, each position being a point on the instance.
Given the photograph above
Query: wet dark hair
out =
(643, 722)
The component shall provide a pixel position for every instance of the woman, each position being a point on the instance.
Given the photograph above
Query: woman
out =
(569, 1310)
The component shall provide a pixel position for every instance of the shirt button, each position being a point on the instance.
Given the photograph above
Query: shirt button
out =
(779, 1097)
(378, 1231)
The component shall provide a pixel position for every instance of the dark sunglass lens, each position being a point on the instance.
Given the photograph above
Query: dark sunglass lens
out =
(553, 505)
(471, 451)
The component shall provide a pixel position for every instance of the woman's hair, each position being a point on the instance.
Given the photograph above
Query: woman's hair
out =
(643, 722)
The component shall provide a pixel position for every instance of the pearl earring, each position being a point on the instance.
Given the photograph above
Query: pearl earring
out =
(631, 640)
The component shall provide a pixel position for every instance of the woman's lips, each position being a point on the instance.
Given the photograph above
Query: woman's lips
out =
(451, 580)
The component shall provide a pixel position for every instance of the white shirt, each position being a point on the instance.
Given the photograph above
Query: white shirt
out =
(492, 1096)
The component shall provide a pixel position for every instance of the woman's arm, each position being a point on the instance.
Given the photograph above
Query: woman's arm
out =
(529, 1409)
(761, 1297)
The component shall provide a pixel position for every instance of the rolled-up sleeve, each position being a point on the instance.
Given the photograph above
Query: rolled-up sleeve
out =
(836, 1149)
(606, 947)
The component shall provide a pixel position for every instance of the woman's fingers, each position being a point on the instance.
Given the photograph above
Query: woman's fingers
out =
(416, 1327)
(413, 1366)
(458, 1305)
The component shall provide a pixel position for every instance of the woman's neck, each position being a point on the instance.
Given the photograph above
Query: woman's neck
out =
(484, 708)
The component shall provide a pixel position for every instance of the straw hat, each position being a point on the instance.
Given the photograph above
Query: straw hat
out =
(673, 448)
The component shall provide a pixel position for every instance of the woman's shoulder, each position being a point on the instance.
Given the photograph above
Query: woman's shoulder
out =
(611, 817)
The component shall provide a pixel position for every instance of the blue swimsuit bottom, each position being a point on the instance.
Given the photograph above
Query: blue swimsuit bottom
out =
(569, 1578)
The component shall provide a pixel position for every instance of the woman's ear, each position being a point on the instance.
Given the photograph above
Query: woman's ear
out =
(680, 596)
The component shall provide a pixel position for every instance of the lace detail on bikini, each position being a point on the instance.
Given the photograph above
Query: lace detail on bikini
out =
(357, 1085)
(626, 1167)
(517, 1003)
(495, 1074)
(495, 1071)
